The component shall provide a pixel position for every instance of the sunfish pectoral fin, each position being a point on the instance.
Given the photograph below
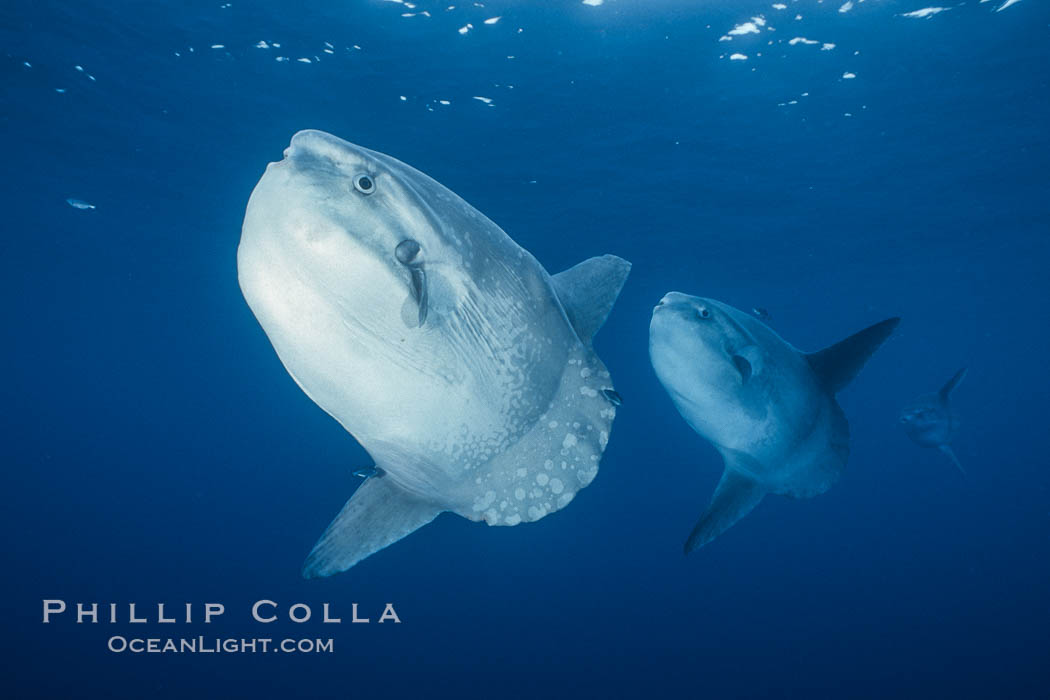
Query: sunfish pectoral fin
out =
(419, 292)
(737, 494)
(836, 366)
(748, 361)
(377, 515)
(588, 291)
(947, 449)
(952, 383)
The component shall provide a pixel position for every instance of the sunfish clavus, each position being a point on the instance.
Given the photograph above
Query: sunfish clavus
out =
(444, 348)
(769, 409)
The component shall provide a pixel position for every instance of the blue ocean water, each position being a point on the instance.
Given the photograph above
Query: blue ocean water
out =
(155, 450)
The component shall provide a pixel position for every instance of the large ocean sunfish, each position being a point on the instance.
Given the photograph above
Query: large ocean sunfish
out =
(444, 348)
(769, 409)
(930, 421)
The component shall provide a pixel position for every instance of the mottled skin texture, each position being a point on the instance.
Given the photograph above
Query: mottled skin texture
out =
(465, 410)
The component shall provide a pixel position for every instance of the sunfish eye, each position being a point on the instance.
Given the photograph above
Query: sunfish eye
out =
(703, 312)
(406, 251)
(364, 184)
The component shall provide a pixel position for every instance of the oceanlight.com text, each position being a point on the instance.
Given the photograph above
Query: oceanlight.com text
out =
(218, 645)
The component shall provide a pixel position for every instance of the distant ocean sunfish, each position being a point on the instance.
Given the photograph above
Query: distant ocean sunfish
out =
(930, 421)
(459, 364)
(769, 409)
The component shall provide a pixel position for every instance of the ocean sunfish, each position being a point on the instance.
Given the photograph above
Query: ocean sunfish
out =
(930, 421)
(461, 366)
(768, 408)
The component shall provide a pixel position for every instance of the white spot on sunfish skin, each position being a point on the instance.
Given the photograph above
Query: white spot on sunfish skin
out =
(556, 486)
(485, 501)
(569, 442)
(513, 520)
(586, 476)
(537, 512)
(585, 372)
(519, 494)
(553, 424)
(542, 479)
(603, 439)
(587, 391)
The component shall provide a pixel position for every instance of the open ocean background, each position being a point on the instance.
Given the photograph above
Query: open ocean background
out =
(155, 450)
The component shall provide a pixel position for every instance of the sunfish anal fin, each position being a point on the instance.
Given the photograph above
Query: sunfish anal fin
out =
(837, 365)
(588, 291)
(377, 515)
(736, 495)
(947, 449)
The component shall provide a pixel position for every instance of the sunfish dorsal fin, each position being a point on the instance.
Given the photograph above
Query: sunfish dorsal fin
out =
(377, 515)
(736, 495)
(836, 366)
(952, 383)
(588, 291)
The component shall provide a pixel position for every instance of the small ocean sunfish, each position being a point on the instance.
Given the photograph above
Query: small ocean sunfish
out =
(79, 204)
(930, 421)
(768, 408)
